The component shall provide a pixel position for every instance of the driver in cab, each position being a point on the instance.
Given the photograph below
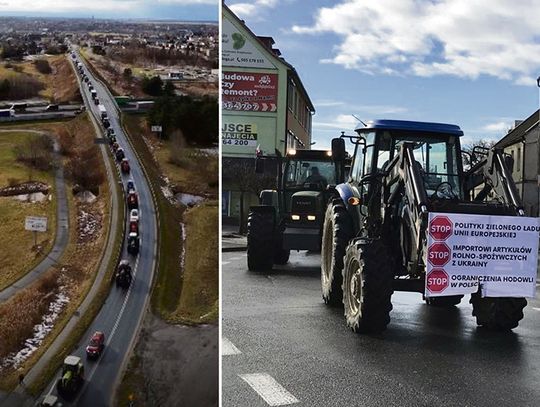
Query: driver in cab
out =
(315, 177)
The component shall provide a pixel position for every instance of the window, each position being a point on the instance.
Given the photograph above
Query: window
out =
(518, 164)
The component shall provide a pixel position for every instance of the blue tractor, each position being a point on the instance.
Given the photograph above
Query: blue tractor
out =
(374, 233)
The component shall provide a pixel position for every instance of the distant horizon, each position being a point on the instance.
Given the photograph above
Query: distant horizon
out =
(145, 19)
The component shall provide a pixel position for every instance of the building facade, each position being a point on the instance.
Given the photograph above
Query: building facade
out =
(522, 143)
(265, 108)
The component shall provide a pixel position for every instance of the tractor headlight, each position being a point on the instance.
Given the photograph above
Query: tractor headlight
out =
(311, 217)
(295, 217)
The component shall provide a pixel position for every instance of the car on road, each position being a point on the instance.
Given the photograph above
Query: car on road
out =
(96, 101)
(110, 131)
(112, 140)
(96, 345)
(134, 215)
(120, 154)
(124, 166)
(86, 79)
(115, 146)
(130, 186)
(106, 123)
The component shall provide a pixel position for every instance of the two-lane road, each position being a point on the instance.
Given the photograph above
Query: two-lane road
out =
(120, 316)
(283, 346)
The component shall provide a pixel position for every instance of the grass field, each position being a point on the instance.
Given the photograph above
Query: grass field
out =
(16, 254)
(60, 85)
(197, 176)
(199, 300)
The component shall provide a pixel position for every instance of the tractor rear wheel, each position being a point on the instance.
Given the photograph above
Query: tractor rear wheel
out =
(260, 241)
(498, 314)
(449, 301)
(337, 231)
(367, 285)
(281, 256)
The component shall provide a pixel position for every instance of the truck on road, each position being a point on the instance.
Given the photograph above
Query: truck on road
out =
(102, 111)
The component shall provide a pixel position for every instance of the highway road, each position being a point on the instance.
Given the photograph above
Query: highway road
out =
(283, 346)
(123, 310)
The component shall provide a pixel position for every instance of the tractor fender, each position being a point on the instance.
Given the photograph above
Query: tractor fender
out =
(345, 192)
(267, 210)
(268, 197)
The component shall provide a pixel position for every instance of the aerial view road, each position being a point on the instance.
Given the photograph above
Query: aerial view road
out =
(283, 345)
(122, 312)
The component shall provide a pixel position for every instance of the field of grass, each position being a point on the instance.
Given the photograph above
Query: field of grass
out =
(199, 301)
(188, 295)
(80, 264)
(59, 86)
(16, 254)
(196, 175)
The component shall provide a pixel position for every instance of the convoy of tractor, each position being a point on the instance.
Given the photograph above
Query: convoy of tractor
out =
(379, 226)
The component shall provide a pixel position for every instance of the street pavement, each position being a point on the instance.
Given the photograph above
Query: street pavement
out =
(281, 345)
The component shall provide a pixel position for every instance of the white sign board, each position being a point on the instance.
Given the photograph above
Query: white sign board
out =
(35, 224)
(497, 253)
(237, 49)
(156, 128)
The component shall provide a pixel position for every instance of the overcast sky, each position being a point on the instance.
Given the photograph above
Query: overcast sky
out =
(469, 62)
(190, 10)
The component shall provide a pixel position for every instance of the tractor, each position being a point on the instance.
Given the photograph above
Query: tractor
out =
(291, 217)
(72, 377)
(375, 231)
(123, 274)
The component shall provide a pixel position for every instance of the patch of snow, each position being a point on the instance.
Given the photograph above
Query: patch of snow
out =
(15, 359)
(87, 224)
(168, 194)
(86, 197)
(35, 197)
(189, 199)
(182, 255)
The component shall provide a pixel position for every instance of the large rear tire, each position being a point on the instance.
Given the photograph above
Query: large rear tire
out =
(260, 241)
(337, 231)
(497, 314)
(367, 285)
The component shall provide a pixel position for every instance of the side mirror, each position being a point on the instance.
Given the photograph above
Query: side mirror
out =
(259, 165)
(338, 149)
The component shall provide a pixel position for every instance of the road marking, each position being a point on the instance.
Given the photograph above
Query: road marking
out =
(228, 348)
(235, 258)
(536, 309)
(225, 262)
(269, 389)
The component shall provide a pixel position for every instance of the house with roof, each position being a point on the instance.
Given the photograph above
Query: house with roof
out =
(522, 143)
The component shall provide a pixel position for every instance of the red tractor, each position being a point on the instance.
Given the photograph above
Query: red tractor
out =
(124, 166)
(133, 200)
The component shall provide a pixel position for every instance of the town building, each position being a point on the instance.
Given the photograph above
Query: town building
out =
(265, 108)
(522, 143)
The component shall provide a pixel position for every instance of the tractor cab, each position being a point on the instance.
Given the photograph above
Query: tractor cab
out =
(72, 376)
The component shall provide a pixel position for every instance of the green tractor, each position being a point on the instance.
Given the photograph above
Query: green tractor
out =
(72, 376)
(291, 217)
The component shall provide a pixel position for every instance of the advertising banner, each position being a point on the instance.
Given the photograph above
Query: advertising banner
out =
(239, 134)
(245, 91)
(497, 254)
(237, 49)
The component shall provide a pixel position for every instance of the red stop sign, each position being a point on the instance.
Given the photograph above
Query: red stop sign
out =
(439, 254)
(437, 280)
(440, 227)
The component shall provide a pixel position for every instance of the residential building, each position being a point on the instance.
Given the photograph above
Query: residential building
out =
(265, 106)
(522, 143)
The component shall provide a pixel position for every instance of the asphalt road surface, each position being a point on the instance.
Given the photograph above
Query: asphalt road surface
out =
(282, 345)
(120, 315)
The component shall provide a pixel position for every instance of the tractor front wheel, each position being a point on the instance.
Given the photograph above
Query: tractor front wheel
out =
(260, 240)
(337, 231)
(367, 285)
(497, 314)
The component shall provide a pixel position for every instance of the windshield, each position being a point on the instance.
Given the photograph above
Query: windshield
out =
(436, 159)
(311, 173)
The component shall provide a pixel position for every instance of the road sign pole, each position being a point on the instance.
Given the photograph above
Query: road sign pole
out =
(35, 238)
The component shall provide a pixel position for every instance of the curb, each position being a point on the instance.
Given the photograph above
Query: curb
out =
(233, 249)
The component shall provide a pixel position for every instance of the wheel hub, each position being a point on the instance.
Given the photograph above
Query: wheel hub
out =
(354, 291)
